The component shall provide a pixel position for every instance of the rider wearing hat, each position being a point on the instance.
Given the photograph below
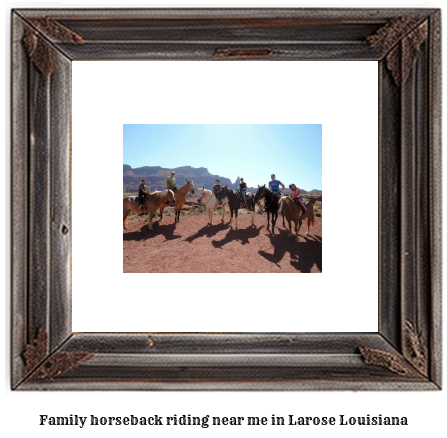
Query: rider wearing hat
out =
(171, 183)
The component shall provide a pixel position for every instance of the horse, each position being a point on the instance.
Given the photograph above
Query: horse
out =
(282, 212)
(180, 198)
(235, 202)
(157, 200)
(271, 204)
(293, 212)
(211, 202)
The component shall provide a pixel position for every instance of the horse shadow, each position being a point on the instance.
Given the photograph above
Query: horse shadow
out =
(303, 255)
(167, 231)
(318, 238)
(144, 233)
(208, 231)
(243, 235)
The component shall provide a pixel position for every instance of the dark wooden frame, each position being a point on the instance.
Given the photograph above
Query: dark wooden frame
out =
(405, 354)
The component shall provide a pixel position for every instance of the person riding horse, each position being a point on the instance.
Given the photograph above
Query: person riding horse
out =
(243, 190)
(217, 190)
(274, 187)
(295, 195)
(143, 194)
(171, 183)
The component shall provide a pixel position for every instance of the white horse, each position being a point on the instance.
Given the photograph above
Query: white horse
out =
(210, 201)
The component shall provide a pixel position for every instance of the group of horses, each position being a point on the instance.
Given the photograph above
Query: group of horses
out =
(228, 198)
(158, 201)
(274, 204)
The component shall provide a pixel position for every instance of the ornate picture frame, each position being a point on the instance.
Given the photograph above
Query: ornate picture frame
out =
(405, 353)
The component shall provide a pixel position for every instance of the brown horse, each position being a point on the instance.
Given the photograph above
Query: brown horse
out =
(293, 212)
(180, 198)
(157, 201)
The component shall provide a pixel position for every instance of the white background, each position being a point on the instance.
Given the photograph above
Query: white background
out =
(107, 95)
(19, 411)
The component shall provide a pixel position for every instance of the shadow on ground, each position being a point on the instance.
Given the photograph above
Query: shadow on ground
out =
(240, 235)
(166, 230)
(208, 231)
(303, 255)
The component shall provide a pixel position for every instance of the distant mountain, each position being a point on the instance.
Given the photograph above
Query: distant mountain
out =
(155, 177)
(312, 192)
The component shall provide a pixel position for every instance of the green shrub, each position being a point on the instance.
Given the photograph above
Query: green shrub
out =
(194, 211)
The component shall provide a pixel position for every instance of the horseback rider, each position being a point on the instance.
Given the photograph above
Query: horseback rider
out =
(295, 195)
(243, 190)
(171, 183)
(143, 194)
(216, 189)
(274, 185)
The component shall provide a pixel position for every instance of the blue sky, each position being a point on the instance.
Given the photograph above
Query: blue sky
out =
(292, 152)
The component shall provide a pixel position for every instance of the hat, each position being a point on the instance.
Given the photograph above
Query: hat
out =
(172, 171)
(272, 175)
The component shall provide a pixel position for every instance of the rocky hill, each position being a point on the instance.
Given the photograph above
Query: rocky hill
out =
(156, 178)
(314, 192)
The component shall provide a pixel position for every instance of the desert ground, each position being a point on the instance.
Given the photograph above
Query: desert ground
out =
(193, 246)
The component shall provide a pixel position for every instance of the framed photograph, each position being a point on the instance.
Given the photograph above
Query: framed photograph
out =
(239, 193)
(181, 342)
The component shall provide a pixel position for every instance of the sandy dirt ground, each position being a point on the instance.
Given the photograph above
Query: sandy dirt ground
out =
(192, 246)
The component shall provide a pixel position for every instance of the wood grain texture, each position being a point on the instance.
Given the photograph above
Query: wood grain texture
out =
(60, 202)
(390, 236)
(39, 200)
(19, 209)
(435, 195)
(405, 354)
